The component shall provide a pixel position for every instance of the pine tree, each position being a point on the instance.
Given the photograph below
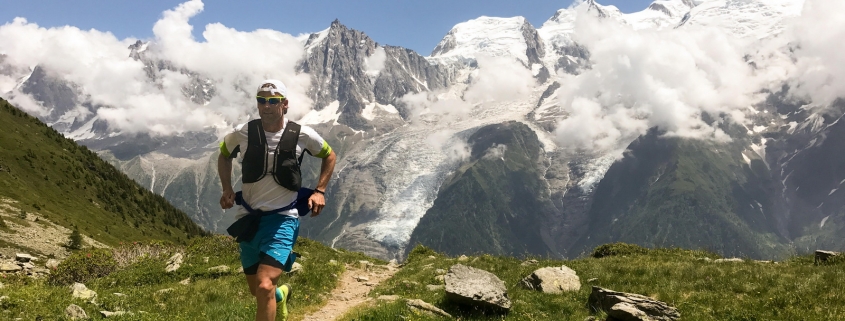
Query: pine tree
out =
(75, 241)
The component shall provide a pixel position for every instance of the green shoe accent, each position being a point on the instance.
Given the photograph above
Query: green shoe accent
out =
(286, 293)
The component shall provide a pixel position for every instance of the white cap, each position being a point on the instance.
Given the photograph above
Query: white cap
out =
(274, 87)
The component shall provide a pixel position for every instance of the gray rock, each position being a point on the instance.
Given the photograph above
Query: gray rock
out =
(629, 306)
(27, 266)
(361, 278)
(75, 312)
(52, 264)
(185, 281)
(463, 258)
(8, 267)
(296, 267)
(174, 263)
(365, 265)
(118, 294)
(388, 298)
(440, 278)
(80, 291)
(433, 287)
(241, 269)
(824, 256)
(471, 286)
(109, 314)
(219, 269)
(529, 262)
(425, 306)
(440, 271)
(22, 257)
(554, 280)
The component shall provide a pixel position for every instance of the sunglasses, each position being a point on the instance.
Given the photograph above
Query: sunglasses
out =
(269, 100)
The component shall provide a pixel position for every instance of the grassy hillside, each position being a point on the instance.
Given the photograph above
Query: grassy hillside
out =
(670, 192)
(136, 272)
(45, 174)
(795, 289)
(701, 289)
(495, 202)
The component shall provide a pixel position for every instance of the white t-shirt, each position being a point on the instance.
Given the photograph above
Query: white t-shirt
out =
(266, 194)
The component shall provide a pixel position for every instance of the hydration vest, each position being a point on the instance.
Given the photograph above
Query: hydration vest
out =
(285, 167)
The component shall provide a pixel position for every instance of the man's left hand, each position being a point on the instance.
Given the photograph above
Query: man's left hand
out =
(316, 203)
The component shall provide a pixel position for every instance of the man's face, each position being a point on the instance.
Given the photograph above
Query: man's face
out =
(271, 112)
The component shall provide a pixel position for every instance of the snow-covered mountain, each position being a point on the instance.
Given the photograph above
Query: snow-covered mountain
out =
(406, 126)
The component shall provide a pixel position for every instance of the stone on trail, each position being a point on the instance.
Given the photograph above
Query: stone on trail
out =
(22, 257)
(554, 280)
(174, 262)
(476, 287)
(425, 306)
(75, 312)
(8, 267)
(629, 306)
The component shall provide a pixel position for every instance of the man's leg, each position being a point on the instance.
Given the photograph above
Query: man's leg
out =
(265, 293)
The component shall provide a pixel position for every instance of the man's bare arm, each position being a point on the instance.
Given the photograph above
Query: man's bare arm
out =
(317, 201)
(224, 170)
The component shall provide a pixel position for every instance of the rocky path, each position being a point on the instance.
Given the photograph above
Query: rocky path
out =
(355, 283)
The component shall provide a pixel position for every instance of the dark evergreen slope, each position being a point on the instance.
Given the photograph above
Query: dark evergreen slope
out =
(496, 202)
(671, 192)
(68, 184)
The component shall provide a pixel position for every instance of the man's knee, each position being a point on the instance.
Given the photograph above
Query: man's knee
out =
(265, 287)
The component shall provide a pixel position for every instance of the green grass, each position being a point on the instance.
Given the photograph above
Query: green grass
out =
(792, 290)
(209, 296)
(49, 175)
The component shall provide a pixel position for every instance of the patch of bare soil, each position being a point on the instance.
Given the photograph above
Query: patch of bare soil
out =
(355, 284)
(38, 234)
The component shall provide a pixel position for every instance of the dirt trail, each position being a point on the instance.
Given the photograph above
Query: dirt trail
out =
(355, 283)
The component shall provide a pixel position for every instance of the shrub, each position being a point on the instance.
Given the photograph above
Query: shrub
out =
(419, 252)
(619, 248)
(83, 266)
(213, 245)
(75, 241)
(134, 252)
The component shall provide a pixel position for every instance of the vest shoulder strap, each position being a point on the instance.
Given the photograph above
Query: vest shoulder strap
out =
(290, 137)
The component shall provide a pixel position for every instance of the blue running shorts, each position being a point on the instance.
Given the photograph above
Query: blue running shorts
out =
(274, 240)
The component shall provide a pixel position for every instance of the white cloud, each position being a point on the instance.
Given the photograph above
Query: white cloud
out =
(375, 63)
(235, 61)
(496, 151)
(642, 79)
(820, 63)
(499, 79)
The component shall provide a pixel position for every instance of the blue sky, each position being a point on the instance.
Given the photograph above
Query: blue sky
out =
(418, 25)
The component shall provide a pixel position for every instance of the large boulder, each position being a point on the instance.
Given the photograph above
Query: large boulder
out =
(174, 263)
(75, 312)
(824, 256)
(22, 257)
(475, 287)
(631, 307)
(554, 280)
(9, 267)
(80, 291)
